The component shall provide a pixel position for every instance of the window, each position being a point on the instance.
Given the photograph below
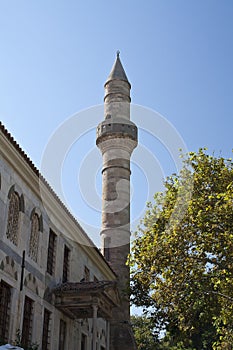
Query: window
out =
(13, 218)
(46, 330)
(51, 252)
(62, 335)
(66, 263)
(34, 238)
(84, 342)
(86, 274)
(27, 322)
(5, 300)
(106, 248)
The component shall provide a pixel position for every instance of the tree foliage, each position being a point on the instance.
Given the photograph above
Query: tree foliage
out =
(182, 255)
(145, 334)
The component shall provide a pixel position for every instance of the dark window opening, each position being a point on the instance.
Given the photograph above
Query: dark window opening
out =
(84, 342)
(106, 253)
(5, 300)
(86, 274)
(107, 248)
(66, 264)
(51, 252)
(46, 330)
(27, 322)
(62, 335)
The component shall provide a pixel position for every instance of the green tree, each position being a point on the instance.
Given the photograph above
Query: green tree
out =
(145, 334)
(182, 255)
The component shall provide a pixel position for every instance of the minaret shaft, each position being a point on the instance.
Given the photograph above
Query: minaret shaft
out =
(117, 138)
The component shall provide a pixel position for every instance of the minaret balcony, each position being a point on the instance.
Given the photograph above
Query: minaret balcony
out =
(115, 129)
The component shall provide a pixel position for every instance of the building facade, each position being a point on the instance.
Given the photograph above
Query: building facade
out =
(57, 290)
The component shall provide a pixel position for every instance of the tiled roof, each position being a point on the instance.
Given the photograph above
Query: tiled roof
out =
(25, 157)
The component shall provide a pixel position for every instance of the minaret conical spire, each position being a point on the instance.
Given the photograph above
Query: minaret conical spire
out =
(117, 93)
(117, 72)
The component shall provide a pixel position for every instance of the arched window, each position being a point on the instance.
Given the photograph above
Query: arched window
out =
(34, 238)
(13, 217)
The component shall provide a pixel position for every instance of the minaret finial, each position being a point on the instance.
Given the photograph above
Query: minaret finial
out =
(118, 53)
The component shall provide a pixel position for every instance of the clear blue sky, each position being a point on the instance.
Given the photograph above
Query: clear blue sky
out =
(55, 56)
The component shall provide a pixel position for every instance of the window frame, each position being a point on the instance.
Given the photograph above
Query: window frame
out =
(83, 345)
(46, 329)
(34, 235)
(13, 217)
(27, 321)
(62, 335)
(52, 243)
(66, 264)
(87, 274)
(5, 307)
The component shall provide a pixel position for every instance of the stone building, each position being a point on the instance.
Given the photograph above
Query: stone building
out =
(57, 289)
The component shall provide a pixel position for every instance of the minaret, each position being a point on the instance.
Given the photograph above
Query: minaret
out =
(116, 139)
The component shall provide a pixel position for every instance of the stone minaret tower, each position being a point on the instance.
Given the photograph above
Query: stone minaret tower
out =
(117, 138)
